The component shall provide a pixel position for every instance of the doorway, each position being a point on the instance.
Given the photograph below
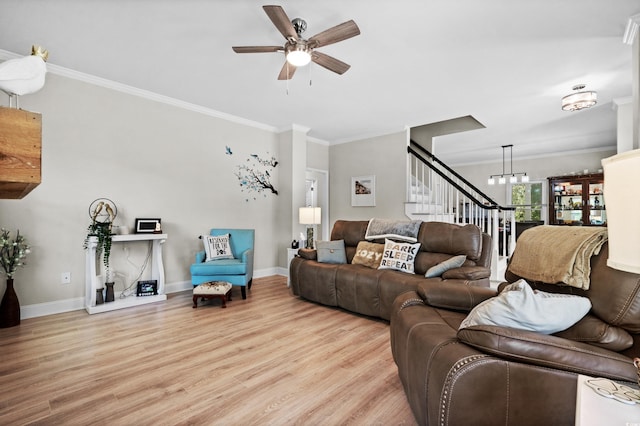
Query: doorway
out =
(317, 195)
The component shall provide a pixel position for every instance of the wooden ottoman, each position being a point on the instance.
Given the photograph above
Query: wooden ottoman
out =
(212, 290)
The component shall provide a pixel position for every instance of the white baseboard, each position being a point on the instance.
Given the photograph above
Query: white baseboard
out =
(77, 303)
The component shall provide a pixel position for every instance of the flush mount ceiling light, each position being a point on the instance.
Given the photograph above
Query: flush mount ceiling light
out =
(579, 100)
(513, 176)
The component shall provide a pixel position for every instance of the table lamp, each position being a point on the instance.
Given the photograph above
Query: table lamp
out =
(310, 216)
(622, 199)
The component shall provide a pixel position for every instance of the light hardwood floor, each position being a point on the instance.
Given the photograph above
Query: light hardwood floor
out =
(272, 359)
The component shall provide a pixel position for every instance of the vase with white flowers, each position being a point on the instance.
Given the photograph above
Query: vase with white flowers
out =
(12, 253)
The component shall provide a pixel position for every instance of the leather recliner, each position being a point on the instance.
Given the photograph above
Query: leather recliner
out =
(490, 375)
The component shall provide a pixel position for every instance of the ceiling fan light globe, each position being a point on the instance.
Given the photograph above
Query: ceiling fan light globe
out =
(298, 58)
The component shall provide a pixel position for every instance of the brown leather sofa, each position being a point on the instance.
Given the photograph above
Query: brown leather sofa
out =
(490, 375)
(371, 292)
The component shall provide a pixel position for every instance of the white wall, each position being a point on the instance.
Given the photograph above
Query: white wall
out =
(152, 160)
(383, 156)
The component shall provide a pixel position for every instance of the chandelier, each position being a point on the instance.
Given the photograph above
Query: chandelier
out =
(579, 100)
(513, 176)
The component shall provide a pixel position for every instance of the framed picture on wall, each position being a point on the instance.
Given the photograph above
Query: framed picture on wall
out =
(363, 191)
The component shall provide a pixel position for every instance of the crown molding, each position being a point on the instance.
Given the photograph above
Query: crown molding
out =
(130, 90)
(631, 32)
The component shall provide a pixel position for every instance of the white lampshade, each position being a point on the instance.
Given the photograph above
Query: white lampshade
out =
(525, 178)
(513, 179)
(309, 215)
(622, 202)
(502, 180)
(491, 181)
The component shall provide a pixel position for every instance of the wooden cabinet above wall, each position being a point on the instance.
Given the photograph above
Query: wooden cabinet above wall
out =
(20, 152)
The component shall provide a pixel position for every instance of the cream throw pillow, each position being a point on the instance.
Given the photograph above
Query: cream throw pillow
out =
(521, 307)
(399, 256)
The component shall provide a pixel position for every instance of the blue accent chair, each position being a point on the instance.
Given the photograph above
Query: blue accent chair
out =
(237, 271)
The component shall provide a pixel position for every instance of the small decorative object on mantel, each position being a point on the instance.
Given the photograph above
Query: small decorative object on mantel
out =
(11, 254)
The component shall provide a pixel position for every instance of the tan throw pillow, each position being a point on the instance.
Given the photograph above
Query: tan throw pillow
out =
(399, 256)
(368, 254)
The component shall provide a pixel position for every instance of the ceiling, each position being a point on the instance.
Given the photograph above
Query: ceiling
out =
(507, 63)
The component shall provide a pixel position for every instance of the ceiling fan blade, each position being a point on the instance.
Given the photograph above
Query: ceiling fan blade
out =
(281, 21)
(256, 49)
(329, 62)
(287, 71)
(335, 34)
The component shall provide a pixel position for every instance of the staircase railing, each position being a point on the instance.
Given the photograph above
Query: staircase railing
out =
(438, 193)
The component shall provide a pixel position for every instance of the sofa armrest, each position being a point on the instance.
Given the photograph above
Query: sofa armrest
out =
(200, 256)
(470, 273)
(456, 296)
(247, 259)
(549, 351)
(309, 254)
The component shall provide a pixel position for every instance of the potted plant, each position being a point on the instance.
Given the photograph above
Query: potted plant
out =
(11, 254)
(102, 212)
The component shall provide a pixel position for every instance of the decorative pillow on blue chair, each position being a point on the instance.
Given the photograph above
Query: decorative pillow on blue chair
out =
(217, 247)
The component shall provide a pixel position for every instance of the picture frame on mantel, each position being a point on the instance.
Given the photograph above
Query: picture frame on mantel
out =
(363, 191)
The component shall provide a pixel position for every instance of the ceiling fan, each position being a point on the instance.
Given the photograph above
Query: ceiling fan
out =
(299, 51)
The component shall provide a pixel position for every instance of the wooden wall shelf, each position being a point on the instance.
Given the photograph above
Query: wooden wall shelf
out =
(20, 152)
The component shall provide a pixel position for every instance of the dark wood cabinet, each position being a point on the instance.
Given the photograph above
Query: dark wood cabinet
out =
(577, 200)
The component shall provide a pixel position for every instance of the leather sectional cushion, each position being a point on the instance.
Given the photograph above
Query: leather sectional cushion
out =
(549, 351)
(592, 329)
(439, 237)
(458, 297)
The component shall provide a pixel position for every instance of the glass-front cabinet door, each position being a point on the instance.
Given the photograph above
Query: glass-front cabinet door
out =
(577, 200)
(597, 212)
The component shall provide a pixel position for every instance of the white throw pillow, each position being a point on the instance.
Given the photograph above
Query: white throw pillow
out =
(399, 256)
(442, 267)
(521, 307)
(217, 247)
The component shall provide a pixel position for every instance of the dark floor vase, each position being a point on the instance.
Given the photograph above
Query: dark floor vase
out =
(9, 307)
